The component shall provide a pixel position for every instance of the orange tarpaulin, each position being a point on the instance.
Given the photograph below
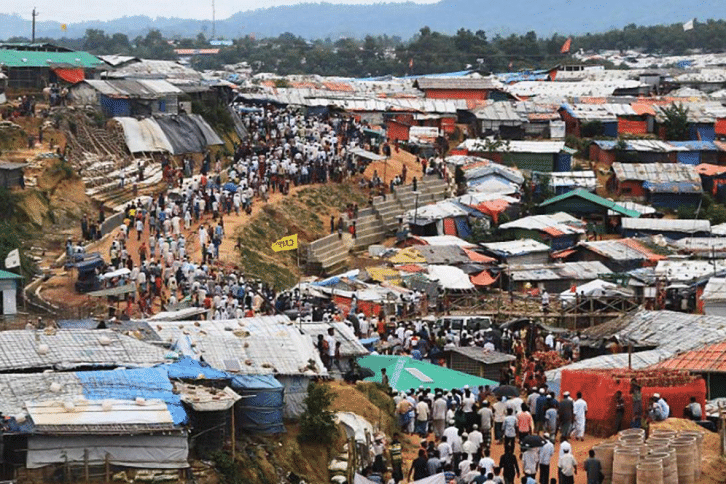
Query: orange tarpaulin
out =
(493, 208)
(74, 76)
(483, 279)
(721, 126)
(477, 257)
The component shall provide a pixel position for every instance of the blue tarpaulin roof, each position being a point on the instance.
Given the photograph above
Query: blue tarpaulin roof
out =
(147, 383)
(189, 368)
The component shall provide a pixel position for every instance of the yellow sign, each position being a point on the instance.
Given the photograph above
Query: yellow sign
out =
(64, 27)
(285, 243)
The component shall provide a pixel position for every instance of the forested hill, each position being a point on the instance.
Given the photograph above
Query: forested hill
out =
(321, 20)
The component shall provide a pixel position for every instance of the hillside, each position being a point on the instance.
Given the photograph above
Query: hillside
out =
(321, 20)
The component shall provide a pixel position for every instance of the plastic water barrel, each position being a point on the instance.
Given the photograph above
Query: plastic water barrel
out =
(604, 453)
(699, 447)
(685, 448)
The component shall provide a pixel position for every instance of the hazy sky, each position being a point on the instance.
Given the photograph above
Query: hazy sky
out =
(79, 10)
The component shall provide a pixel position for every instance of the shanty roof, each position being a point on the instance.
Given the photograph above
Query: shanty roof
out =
(250, 346)
(708, 359)
(6, 165)
(710, 170)
(405, 373)
(499, 111)
(571, 89)
(622, 249)
(702, 245)
(483, 356)
(666, 330)
(27, 58)
(553, 225)
(599, 112)
(715, 290)
(635, 207)
(153, 69)
(687, 226)
(643, 145)
(134, 88)
(687, 270)
(349, 344)
(638, 360)
(67, 349)
(661, 177)
(516, 247)
(483, 168)
(515, 146)
(581, 271)
(583, 179)
(591, 197)
(443, 254)
(425, 83)
(39, 395)
(4, 275)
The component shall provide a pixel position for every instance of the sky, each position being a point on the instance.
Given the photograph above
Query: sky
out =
(80, 10)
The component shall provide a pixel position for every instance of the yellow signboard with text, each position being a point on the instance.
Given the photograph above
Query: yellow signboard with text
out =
(285, 243)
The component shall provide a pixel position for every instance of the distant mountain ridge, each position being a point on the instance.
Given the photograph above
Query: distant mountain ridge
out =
(322, 20)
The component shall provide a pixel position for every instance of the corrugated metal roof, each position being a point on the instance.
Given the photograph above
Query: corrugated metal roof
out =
(669, 331)
(635, 207)
(708, 359)
(657, 172)
(687, 270)
(621, 249)
(688, 226)
(349, 344)
(250, 346)
(515, 146)
(516, 247)
(67, 349)
(424, 83)
(498, 111)
(715, 290)
(153, 69)
(585, 270)
(134, 88)
(638, 361)
(571, 89)
(582, 179)
(482, 355)
(563, 223)
(702, 245)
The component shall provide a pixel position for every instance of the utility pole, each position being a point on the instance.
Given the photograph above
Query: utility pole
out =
(35, 14)
(214, 22)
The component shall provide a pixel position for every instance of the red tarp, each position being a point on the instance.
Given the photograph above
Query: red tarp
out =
(493, 208)
(721, 126)
(598, 388)
(74, 76)
(632, 126)
(450, 226)
(368, 308)
(477, 257)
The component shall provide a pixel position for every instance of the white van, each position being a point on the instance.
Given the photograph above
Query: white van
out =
(470, 324)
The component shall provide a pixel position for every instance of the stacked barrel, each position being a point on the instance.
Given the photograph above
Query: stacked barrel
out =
(666, 457)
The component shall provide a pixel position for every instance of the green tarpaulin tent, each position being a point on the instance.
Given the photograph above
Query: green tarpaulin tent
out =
(405, 373)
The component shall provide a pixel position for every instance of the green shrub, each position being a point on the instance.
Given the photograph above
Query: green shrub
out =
(317, 423)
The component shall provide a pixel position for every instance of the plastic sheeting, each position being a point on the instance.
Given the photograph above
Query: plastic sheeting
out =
(147, 383)
(174, 134)
(262, 407)
(450, 277)
(189, 368)
(143, 451)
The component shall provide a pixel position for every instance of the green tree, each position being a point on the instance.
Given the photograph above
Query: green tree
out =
(676, 122)
(316, 422)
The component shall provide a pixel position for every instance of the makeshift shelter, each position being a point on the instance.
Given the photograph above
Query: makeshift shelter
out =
(599, 387)
(451, 278)
(23, 350)
(671, 228)
(177, 134)
(708, 361)
(265, 345)
(714, 297)
(9, 288)
(262, 407)
(555, 277)
(11, 175)
(477, 361)
(521, 251)
(405, 373)
(127, 418)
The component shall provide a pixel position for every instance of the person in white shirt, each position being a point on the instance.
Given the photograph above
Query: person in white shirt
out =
(550, 341)
(438, 415)
(444, 449)
(567, 466)
(515, 404)
(452, 437)
(546, 452)
(579, 410)
(486, 463)
(468, 447)
(530, 461)
(476, 437)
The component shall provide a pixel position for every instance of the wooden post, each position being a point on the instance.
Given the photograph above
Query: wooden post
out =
(234, 435)
(107, 468)
(592, 312)
(85, 465)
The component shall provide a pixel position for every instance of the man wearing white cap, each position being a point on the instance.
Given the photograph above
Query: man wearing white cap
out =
(438, 415)
(476, 437)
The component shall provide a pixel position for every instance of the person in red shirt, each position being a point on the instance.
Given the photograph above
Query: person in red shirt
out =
(525, 422)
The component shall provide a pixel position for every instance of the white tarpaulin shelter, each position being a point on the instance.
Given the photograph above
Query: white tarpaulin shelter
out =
(595, 288)
(450, 277)
(142, 451)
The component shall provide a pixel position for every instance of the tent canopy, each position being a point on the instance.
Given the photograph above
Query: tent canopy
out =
(405, 373)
